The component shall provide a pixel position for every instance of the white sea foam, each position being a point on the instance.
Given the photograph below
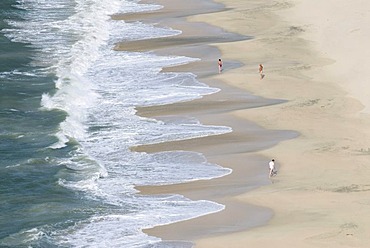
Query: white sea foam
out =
(22, 238)
(124, 230)
(98, 88)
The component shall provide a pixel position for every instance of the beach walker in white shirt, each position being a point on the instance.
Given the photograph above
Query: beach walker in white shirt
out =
(272, 171)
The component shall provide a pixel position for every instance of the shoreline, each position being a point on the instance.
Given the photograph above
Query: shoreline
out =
(319, 197)
(232, 150)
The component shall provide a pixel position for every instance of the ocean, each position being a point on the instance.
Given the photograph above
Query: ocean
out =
(68, 121)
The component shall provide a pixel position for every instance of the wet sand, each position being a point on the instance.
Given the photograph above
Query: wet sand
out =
(299, 113)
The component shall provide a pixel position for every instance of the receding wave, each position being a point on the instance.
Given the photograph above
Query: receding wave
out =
(98, 89)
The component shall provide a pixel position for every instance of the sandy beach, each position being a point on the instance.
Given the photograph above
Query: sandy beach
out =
(309, 112)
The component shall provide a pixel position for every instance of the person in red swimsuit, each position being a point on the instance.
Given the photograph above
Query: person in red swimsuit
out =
(260, 69)
(219, 65)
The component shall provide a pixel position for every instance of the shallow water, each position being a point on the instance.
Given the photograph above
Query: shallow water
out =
(68, 120)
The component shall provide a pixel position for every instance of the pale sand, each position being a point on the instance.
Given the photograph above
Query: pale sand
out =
(320, 197)
(229, 150)
(315, 55)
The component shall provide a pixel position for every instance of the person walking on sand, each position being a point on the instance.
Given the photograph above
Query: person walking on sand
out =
(219, 65)
(260, 69)
(271, 167)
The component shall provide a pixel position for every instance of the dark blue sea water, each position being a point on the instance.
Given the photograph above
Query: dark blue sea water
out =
(67, 121)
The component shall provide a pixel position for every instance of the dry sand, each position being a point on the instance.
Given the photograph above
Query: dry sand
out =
(315, 59)
(310, 50)
(230, 150)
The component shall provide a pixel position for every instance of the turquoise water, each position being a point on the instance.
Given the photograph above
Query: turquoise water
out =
(30, 195)
(67, 121)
